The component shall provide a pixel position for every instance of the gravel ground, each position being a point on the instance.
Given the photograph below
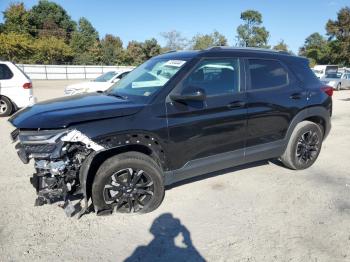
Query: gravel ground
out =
(258, 212)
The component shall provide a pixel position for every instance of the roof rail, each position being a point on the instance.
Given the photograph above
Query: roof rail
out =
(283, 52)
(213, 48)
(170, 51)
(216, 48)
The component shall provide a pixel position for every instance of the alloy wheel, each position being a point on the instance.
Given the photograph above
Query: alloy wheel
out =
(129, 190)
(307, 147)
(3, 106)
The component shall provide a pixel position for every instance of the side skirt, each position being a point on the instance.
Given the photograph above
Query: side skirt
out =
(222, 161)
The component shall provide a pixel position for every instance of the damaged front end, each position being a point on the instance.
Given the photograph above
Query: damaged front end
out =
(58, 156)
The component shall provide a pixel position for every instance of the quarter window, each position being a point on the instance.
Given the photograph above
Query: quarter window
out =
(5, 72)
(215, 77)
(267, 74)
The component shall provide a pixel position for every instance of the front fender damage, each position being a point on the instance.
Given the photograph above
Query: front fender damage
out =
(58, 160)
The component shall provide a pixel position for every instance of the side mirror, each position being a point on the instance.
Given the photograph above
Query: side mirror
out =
(197, 94)
(115, 80)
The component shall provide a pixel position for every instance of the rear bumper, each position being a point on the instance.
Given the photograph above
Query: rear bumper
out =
(24, 102)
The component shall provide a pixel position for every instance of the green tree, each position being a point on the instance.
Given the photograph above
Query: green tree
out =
(51, 50)
(317, 49)
(339, 32)
(16, 47)
(281, 46)
(134, 54)
(151, 48)
(84, 37)
(174, 40)
(50, 19)
(252, 33)
(16, 19)
(96, 54)
(82, 41)
(201, 42)
(112, 50)
(315, 40)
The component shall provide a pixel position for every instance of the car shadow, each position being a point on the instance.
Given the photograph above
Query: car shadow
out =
(223, 172)
(165, 229)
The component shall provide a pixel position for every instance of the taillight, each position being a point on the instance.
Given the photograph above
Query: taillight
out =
(27, 85)
(328, 90)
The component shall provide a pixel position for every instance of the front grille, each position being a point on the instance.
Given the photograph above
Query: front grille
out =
(39, 148)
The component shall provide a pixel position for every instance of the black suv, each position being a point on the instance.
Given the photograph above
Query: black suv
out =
(178, 115)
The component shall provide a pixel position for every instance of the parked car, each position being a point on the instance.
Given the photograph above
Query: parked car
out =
(177, 116)
(101, 83)
(338, 81)
(322, 70)
(15, 89)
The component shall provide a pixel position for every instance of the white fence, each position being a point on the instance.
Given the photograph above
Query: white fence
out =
(68, 71)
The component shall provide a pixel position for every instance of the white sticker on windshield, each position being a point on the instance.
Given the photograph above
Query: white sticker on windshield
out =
(153, 83)
(175, 63)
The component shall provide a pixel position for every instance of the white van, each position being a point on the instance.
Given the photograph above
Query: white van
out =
(16, 90)
(321, 71)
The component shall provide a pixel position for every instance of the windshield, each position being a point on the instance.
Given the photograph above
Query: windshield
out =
(105, 77)
(333, 75)
(148, 78)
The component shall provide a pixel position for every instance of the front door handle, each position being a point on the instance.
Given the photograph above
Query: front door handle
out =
(296, 96)
(236, 104)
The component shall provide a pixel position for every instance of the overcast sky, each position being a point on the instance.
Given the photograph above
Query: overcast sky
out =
(291, 21)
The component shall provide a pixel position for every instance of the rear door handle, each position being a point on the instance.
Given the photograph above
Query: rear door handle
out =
(236, 104)
(296, 96)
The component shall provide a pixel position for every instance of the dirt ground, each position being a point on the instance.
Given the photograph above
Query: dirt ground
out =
(258, 212)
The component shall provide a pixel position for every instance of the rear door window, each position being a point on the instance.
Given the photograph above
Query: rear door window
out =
(5, 72)
(267, 74)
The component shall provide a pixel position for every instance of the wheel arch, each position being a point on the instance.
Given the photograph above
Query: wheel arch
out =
(316, 114)
(14, 106)
(117, 144)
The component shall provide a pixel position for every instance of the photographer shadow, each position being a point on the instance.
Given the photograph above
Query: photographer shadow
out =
(165, 229)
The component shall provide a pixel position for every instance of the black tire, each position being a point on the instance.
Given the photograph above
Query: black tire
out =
(338, 87)
(112, 191)
(304, 146)
(6, 107)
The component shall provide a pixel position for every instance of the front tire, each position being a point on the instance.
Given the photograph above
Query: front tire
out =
(6, 107)
(128, 182)
(304, 146)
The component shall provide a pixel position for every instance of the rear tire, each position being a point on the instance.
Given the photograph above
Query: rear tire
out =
(128, 182)
(304, 146)
(6, 106)
(338, 87)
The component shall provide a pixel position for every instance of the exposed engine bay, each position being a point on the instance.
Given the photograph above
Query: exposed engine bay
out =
(58, 156)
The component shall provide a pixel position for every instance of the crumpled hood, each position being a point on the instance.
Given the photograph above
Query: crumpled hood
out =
(62, 112)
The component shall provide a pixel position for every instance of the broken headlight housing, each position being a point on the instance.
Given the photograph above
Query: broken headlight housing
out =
(39, 144)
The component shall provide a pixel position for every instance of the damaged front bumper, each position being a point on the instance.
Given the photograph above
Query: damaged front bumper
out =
(58, 157)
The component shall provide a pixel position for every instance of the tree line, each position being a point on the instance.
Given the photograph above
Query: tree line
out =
(46, 34)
